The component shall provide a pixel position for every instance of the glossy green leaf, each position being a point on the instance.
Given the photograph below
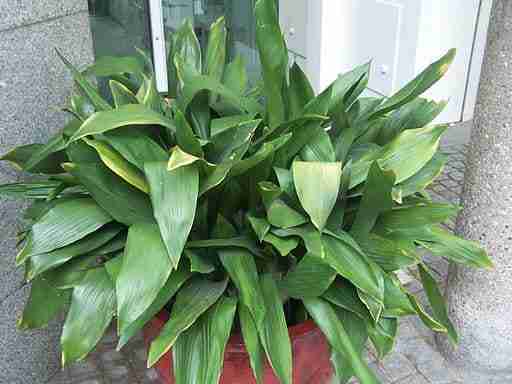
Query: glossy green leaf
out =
(407, 154)
(65, 223)
(376, 200)
(125, 203)
(216, 52)
(280, 215)
(173, 284)
(353, 265)
(235, 242)
(396, 301)
(252, 343)
(273, 58)
(310, 236)
(383, 336)
(437, 302)
(242, 270)
(259, 225)
(420, 84)
(91, 311)
(423, 178)
(135, 147)
(126, 115)
(327, 320)
(85, 86)
(198, 354)
(317, 202)
(274, 331)
(300, 92)
(174, 197)
(137, 286)
(121, 94)
(283, 245)
(41, 263)
(320, 148)
(310, 278)
(348, 86)
(235, 77)
(186, 46)
(106, 66)
(343, 294)
(417, 215)
(225, 143)
(44, 304)
(192, 301)
(34, 190)
(425, 317)
(119, 165)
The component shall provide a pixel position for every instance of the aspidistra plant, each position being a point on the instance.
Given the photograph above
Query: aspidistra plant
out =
(237, 206)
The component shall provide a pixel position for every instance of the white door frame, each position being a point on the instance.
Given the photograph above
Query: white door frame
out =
(156, 18)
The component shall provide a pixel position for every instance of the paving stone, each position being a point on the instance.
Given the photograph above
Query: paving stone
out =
(396, 366)
(415, 379)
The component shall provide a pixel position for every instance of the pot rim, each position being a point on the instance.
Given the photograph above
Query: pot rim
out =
(236, 343)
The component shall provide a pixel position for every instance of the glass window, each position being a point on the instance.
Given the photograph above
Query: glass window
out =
(118, 26)
(239, 22)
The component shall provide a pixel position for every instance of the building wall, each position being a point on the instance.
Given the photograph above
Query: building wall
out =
(34, 86)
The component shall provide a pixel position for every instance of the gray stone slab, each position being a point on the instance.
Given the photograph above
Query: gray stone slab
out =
(22, 12)
(34, 86)
(26, 357)
(480, 300)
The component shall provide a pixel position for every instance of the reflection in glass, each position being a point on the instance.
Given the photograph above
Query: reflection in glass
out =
(239, 22)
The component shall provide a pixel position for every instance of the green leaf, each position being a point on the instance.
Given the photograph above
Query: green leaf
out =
(236, 242)
(63, 224)
(319, 149)
(327, 320)
(283, 245)
(185, 136)
(121, 94)
(125, 203)
(353, 265)
(310, 278)
(390, 254)
(300, 92)
(242, 270)
(396, 301)
(376, 200)
(344, 295)
(36, 190)
(252, 343)
(106, 66)
(383, 336)
(273, 58)
(173, 284)
(420, 84)
(425, 317)
(318, 203)
(423, 178)
(407, 154)
(41, 263)
(280, 215)
(225, 143)
(235, 77)
(91, 311)
(126, 115)
(198, 354)
(192, 301)
(119, 165)
(136, 147)
(174, 196)
(200, 262)
(85, 86)
(418, 215)
(347, 87)
(309, 235)
(274, 331)
(216, 52)
(137, 286)
(416, 114)
(259, 225)
(224, 124)
(43, 304)
(187, 48)
(437, 302)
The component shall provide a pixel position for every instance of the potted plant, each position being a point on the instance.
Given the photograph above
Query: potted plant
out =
(254, 233)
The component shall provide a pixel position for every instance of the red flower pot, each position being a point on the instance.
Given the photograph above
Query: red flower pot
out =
(311, 357)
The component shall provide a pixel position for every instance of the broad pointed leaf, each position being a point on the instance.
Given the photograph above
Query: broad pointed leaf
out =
(252, 343)
(174, 196)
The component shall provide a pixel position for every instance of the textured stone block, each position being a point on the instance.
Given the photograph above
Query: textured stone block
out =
(22, 12)
(34, 86)
(26, 357)
(480, 300)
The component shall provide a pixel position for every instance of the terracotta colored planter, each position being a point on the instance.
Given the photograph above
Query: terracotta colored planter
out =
(311, 357)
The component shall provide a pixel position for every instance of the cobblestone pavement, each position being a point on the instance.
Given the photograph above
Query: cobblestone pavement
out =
(414, 360)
